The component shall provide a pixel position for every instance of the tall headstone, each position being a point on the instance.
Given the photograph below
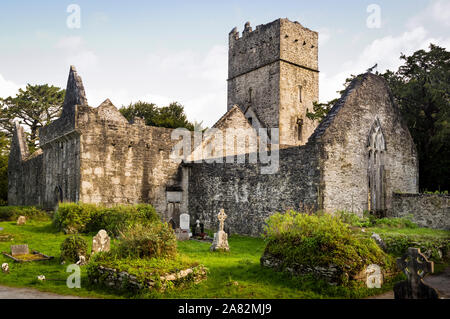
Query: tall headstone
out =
(220, 238)
(415, 266)
(101, 242)
(184, 221)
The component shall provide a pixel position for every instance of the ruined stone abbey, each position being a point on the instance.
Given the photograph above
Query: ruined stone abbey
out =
(354, 160)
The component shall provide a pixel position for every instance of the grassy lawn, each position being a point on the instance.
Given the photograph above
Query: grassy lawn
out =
(234, 274)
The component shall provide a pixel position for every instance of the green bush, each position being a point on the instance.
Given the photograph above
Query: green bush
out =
(153, 240)
(73, 247)
(433, 247)
(369, 220)
(85, 218)
(10, 213)
(321, 240)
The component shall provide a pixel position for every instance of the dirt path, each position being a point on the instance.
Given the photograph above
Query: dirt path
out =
(27, 293)
(439, 282)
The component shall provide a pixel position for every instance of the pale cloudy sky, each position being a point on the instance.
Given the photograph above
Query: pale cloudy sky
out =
(163, 51)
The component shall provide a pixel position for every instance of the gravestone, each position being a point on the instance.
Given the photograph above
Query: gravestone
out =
(197, 229)
(379, 241)
(220, 241)
(101, 242)
(19, 250)
(374, 276)
(184, 221)
(415, 266)
(21, 220)
(181, 234)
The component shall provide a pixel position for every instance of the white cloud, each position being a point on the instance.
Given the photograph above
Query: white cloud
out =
(8, 88)
(76, 52)
(197, 80)
(385, 52)
(438, 11)
(324, 36)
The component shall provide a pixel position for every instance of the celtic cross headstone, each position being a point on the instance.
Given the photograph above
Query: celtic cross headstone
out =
(415, 266)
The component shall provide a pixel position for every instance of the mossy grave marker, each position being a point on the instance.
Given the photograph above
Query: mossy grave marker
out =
(21, 253)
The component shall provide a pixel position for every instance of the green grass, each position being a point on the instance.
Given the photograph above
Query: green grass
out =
(40, 236)
(411, 231)
(234, 274)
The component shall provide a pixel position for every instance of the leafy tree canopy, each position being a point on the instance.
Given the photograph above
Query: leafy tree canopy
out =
(35, 106)
(171, 116)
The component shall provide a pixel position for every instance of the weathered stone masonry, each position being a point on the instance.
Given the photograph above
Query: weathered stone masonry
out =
(94, 155)
(354, 160)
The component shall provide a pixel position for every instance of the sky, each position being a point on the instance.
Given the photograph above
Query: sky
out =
(165, 51)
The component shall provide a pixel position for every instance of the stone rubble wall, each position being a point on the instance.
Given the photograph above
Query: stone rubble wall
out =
(124, 281)
(427, 210)
(248, 196)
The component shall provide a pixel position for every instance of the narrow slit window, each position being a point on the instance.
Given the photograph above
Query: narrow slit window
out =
(250, 120)
(299, 129)
(300, 89)
(250, 91)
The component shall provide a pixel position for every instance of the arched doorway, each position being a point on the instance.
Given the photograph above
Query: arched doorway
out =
(376, 146)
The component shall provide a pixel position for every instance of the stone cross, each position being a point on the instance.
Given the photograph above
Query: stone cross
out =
(222, 216)
(415, 266)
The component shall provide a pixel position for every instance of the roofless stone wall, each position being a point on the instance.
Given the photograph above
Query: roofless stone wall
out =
(248, 196)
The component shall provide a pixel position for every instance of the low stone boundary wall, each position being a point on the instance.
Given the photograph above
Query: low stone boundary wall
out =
(427, 210)
(330, 274)
(124, 281)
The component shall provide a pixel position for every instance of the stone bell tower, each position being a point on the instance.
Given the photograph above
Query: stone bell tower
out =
(273, 77)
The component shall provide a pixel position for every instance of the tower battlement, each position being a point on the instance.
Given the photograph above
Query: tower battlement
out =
(273, 76)
(279, 40)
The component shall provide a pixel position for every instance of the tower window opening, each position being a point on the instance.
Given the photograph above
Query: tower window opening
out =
(250, 91)
(250, 120)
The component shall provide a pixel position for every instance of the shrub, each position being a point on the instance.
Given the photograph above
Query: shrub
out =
(73, 247)
(9, 213)
(353, 219)
(313, 240)
(434, 248)
(84, 218)
(72, 217)
(152, 240)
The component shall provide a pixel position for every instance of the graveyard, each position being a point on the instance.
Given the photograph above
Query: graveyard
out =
(195, 269)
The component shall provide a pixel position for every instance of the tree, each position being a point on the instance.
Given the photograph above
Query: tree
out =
(421, 88)
(36, 106)
(320, 110)
(171, 116)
